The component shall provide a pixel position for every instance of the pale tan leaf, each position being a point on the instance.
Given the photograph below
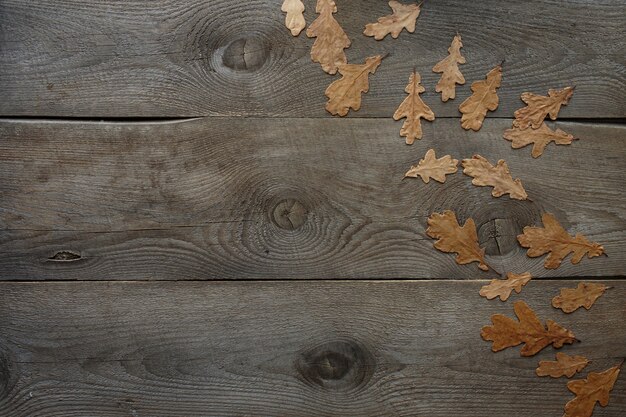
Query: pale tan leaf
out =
(584, 295)
(506, 332)
(413, 108)
(403, 17)
(483, 99)
(503, 287)
(538, 107)
(345, 93)
(564, 365)
(453, 238)
(449, 69)
(486, 175)
(595, 388)
(553, 239)
(294, 21)
(331, 39)
(540, 138)
(431, 167)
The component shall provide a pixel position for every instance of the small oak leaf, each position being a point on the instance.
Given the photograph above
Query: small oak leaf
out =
(331, 39)
(506, 332)
(449, 69)
(538, 107)
(486, 175)
(454, 238)
(595, 388)
(483, 99)
(294, 21)
(584, 295)
(540, 138)
(431, 167)
(553, 239)
(503, 287)
(404, 17)
(345, 93)
(413, 108)
(564, 365)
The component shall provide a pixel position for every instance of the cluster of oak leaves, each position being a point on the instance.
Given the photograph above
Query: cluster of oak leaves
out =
(528, 127)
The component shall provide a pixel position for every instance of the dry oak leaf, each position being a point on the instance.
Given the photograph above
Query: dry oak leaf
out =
(503, 287)
(538, 107)
(486, 175)
(484, 98)
(294, 21)
(331, 39)
(595, 388)
(404, 17)
(584, 295)
(431, 167)
(540, 138)
(449, 69)
(553, 239)
(413, 108)
(507, 332)
(564, 365)
(345, 93)
(454, 238)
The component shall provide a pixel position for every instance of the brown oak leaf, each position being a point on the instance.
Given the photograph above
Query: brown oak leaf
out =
(584, 295)
(486, 175)
(540, 138)
(413, 108)
(507, 332)
(503, 287)
(595, 388)
(553, 239)
(431, 167)
(538, 107)
(331, 39)
(345, 93)
(564, 365)
(404, 17)
(294, 21)
(449, 69)
(483, 99)
(454, 238)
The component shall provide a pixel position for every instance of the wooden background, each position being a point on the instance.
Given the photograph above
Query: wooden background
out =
(184, 230)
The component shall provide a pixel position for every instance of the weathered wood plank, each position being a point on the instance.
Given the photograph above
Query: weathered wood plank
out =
(290, 349)
(289, 198)
(162, 58)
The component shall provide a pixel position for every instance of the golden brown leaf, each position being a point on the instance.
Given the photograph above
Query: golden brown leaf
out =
(331, 39)
(413, 108)
(553, 239)
(503, 287)
(484, 98)
(449, 69)
(584, 295)
(540, 138)
(498, 177)
(295, 17)
(565, 365)
(454, 238)
(345, 93)
(538, 107)
(507, 332)
(595, 388)
(431, 167)
(404, 17)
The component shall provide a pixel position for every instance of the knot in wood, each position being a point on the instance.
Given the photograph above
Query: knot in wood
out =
(289, 214)
(245, 54)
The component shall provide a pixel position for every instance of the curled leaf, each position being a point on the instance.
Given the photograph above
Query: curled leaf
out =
(483, 99)
(538, 107)
(565, 365)
(486, 175)
(540, 138)
(345, 93)
(449, 69)
(413, 108)
(294, 21)
(595, 388)
(331, 39)
(404, 17)
(431, 167)
(584, 295)
(503, 287)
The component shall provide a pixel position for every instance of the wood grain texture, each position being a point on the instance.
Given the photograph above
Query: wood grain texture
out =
(289, 198)
(165, 58)
(395, 348)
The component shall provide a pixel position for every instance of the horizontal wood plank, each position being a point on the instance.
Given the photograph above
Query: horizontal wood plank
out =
(164, 58)
(291, 198)
(340, 348)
